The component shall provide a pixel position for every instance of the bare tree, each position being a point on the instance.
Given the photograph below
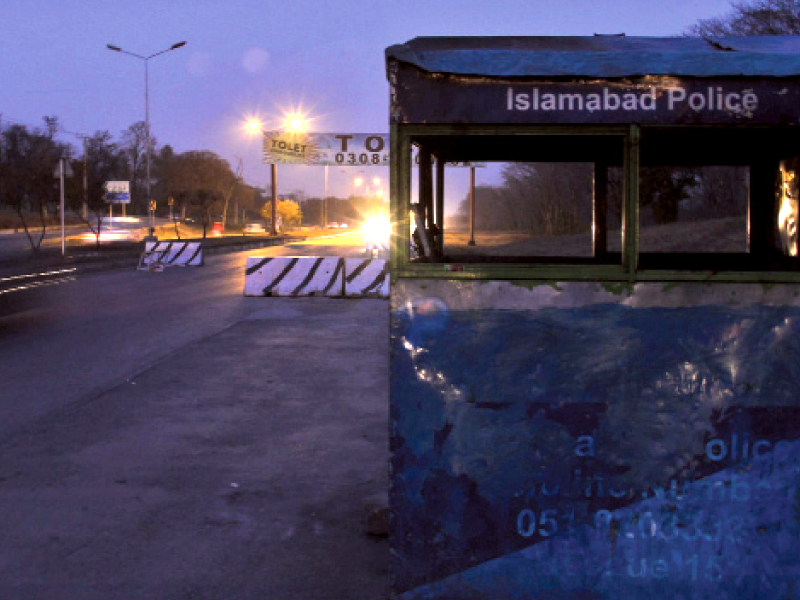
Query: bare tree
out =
(105, 161)
(761, 17)
(546, 198)
(134, 142)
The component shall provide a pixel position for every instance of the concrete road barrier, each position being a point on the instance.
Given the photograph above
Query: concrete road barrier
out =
(366, 277)
(316, 276)
(171, 254)
(294, 276)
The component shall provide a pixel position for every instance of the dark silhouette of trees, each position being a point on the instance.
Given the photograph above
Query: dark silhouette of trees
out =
(202, 181)
(539, 198)
(663, 189)
(28, 160)
(198, 181)
(134, 144)
(762, 17)
(105, 161)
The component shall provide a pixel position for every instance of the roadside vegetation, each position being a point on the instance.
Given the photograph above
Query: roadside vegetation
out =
(197, 188)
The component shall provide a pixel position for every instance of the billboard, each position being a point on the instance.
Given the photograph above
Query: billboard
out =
(333, 149)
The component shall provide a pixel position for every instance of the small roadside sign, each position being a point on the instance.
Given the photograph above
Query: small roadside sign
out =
(117, 192)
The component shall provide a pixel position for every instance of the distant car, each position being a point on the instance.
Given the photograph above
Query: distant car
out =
(253, 228)
(343, 226)
(111, 235)
(333, 226)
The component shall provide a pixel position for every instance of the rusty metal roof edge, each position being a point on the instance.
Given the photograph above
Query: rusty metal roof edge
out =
(602, 56)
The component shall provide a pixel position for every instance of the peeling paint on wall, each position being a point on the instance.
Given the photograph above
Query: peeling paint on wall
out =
(592, 444)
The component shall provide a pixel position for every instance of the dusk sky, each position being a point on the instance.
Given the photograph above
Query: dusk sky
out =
(248, 57)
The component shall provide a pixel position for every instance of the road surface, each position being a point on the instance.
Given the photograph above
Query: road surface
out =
(165, 437)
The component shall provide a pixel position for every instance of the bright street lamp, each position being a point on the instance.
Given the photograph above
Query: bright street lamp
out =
(253, 126)
(147, 113)
(295, 122)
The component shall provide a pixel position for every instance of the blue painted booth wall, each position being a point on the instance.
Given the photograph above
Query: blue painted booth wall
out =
(574, 442)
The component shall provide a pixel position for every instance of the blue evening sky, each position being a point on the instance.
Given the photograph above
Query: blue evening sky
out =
(247, 57)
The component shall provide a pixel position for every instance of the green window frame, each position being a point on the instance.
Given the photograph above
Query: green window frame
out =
(628, 270)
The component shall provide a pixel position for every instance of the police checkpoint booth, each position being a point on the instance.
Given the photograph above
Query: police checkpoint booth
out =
(595, 360)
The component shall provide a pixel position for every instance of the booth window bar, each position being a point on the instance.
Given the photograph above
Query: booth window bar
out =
(655, 203)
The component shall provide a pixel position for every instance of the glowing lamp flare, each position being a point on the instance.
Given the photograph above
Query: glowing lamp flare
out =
(377, 230)
(253, 126)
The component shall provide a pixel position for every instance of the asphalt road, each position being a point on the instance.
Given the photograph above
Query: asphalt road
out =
(165, 437)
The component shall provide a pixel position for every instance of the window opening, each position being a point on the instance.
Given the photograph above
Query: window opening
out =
(694, 209)
(562, 205)
(721, 200)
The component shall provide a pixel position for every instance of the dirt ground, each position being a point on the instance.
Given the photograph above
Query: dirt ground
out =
(714, 235)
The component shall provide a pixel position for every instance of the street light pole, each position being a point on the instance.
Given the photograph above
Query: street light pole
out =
(146, 59)
(61, 172)
(147, 143)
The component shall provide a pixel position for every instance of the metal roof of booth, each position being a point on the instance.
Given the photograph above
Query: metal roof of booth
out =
(602, 56)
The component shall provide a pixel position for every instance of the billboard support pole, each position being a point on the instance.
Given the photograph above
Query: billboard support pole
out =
(85, 207)
(274, 182)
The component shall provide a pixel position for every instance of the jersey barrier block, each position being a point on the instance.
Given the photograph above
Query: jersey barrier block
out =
(366, 277)
(171, 254)
(294, 276)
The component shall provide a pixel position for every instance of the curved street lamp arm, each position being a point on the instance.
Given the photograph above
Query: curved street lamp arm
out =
(118, 49)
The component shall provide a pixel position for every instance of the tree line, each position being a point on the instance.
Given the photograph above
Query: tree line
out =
(557, 198)
(197, 183)
(200, 182)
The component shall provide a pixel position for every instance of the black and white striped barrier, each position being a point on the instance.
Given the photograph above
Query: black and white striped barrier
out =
(294, 276)
(365, 277)
(316, 276)
(171, 254)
